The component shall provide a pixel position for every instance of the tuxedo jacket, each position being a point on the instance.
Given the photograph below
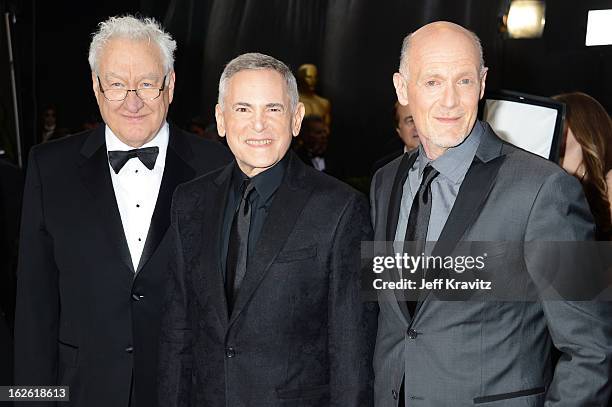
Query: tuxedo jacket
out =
(491, 353)
(299, 334)
(85, 318)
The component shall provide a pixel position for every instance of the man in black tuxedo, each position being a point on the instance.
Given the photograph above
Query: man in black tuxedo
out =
(264, 306)
(94, 248)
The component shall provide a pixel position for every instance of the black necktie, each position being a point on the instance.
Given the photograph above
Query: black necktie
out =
(418, 221)
(237, 250)
(147, 156)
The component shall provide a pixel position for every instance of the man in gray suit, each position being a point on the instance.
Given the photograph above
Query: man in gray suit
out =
(465, 184)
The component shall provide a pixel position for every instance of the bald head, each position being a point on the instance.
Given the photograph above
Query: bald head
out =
(440, 31)
(441, 78)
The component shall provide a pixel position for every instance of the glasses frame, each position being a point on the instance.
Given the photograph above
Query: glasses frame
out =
(127, 91)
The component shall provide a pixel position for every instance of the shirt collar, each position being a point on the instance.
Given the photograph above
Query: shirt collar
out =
(266, 182)
(456, 161)
(160, 140)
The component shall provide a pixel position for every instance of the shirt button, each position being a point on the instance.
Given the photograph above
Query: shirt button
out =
(138, 205)
(139, 239)
(394, 394)
(129, 349)
(412, 334)
(230, 352)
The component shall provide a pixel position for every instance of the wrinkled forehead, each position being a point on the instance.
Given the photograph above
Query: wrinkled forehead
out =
(128, 52)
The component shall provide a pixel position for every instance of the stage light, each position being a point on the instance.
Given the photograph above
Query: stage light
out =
(599, 25)
(525, 19)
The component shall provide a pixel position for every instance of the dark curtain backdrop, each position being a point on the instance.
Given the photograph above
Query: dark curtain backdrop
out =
(355, 44)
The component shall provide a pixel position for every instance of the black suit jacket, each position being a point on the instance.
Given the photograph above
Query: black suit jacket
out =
(299, 333)
(84, 318)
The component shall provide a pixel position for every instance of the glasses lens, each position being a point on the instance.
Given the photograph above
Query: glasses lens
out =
(148, 94)
(115, 94)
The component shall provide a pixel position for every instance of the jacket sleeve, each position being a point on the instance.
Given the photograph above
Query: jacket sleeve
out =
(352, 321)
(175, 351)
(581, 330)
(37, 303)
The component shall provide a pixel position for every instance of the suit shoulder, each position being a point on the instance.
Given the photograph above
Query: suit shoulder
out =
(200, 145)
(60, 149)
(199, 182)
(327, 185)
(531, 164)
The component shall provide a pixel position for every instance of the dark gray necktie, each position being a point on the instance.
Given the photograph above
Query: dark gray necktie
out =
(418, 220)
(237, 251)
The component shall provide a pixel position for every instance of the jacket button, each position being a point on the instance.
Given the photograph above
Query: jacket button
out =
(394, 394)
(137, 297)
(412, 334)
(230, 352)
(129, 349)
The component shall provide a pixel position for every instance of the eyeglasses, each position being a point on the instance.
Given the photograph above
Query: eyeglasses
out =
(115, 95)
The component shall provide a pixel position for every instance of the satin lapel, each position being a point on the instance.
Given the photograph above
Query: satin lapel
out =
(95, 175)
(395, 202)
(285, 210)
(395, 199)
(471, 197)
(210, 280)
(176, 171)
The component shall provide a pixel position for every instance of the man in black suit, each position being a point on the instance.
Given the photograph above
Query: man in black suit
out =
(265, 307)
(94, 251)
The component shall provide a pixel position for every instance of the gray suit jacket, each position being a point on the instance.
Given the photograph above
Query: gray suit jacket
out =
(494, 353)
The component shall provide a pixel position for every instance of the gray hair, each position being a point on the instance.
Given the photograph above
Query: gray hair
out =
(407, 43)
(132, 28)
(257, 61)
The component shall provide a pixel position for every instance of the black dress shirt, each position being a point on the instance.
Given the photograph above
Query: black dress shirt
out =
(266, 184)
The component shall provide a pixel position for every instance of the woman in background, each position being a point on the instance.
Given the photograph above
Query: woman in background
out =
(586, 153)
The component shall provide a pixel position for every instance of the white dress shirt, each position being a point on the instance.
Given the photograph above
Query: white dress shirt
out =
(136, 189)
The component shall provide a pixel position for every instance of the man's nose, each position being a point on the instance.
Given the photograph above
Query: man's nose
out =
(132, 102)
(259, 121)
(450, 97)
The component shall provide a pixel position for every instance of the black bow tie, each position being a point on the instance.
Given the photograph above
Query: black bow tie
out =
(147, 156)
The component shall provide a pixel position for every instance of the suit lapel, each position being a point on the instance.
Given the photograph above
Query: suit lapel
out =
(209, 277)
(95, 175)
(285, 210)
(471, 197)
(395, 202)
(176, 171)
(395, 199)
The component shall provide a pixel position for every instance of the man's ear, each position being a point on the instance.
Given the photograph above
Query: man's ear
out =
(483, 79)
(95, 84)
(401, 88)
(171, 79)
(298, 116)
(220, 120)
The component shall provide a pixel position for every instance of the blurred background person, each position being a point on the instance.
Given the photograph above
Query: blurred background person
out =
(49, 128)
(586, 153)
(408, 136)
(313, 143)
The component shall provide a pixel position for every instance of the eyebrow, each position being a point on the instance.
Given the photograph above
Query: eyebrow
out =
(150, 75)
(268, 105)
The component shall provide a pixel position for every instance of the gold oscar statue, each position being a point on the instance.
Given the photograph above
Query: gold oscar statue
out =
(314, 104)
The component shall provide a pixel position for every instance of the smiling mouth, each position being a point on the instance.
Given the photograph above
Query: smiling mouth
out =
(448, 120)
(134, 118)
(258, 143)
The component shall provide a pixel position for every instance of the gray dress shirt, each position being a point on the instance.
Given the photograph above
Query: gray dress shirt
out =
(452, 166)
